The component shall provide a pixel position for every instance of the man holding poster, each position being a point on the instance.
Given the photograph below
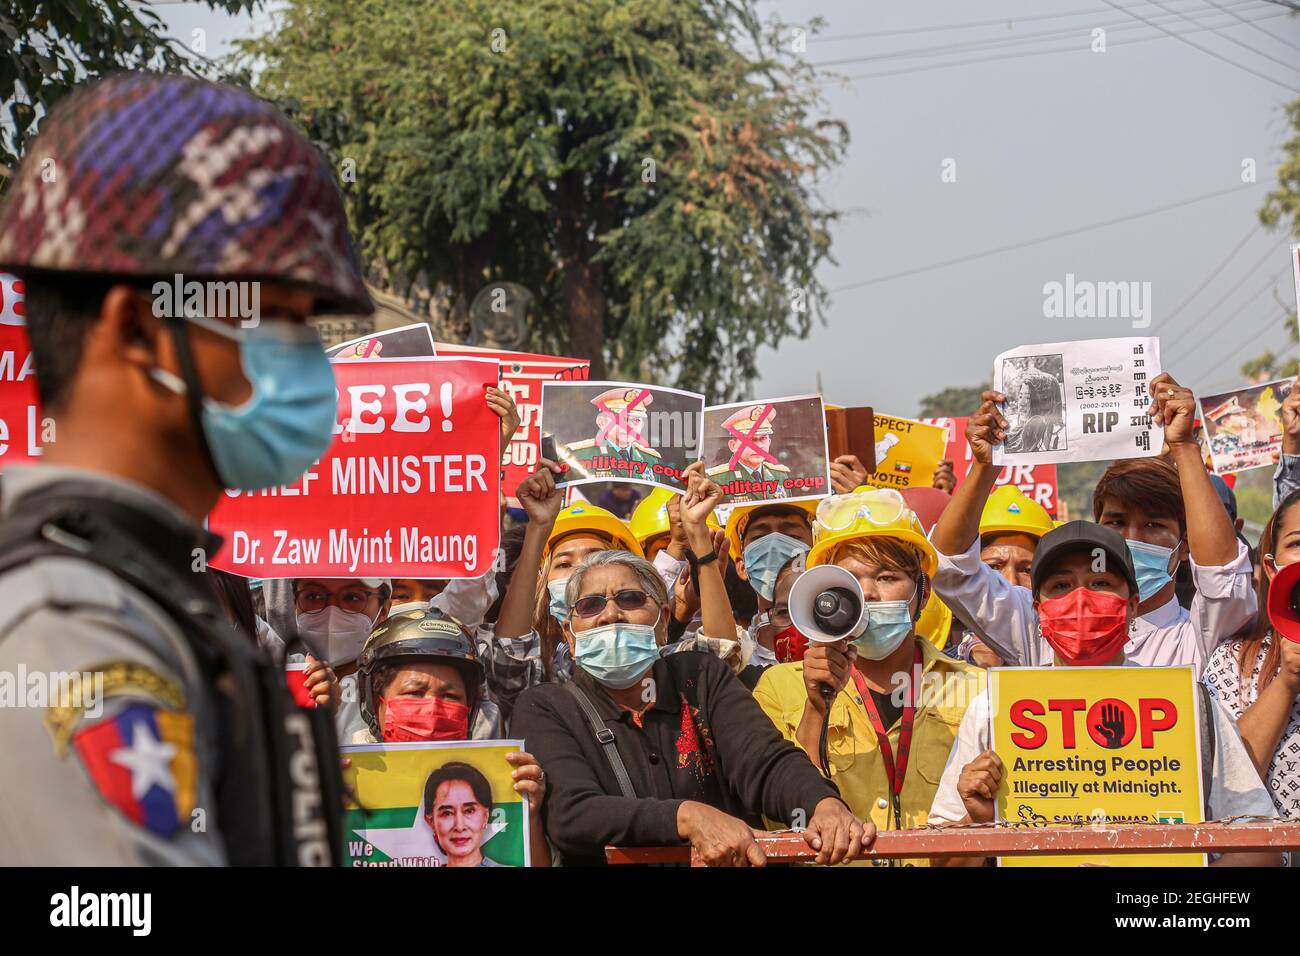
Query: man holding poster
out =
(1165, 507)
(1107, 742)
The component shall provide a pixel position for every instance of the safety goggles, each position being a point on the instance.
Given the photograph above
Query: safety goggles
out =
(630, 599)
(878, 506)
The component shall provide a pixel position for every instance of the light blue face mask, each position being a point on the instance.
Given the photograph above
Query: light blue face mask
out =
(765, 558)
(288, 420)
(888, 623)
(557, 606)
(616, 655)
(1151, 563)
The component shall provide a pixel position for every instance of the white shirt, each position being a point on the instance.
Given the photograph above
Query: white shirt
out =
(1235, 787)
(1238, 694)
(1003, 614)
(669, 568)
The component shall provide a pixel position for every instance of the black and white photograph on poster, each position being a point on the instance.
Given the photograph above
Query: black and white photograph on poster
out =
(407, 341)
(1078, 401)
(621, 431)
(1035, 406)
(770, 449)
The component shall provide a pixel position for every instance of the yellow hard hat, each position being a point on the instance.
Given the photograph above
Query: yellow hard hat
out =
(867, 513)
(935, 622)
(740, 515)
(584, 516)
(650, 519)
(1010, 509)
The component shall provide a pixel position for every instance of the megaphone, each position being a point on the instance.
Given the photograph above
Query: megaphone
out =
(827, 604)
(1283, 602)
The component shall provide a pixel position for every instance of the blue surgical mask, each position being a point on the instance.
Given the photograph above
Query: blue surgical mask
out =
(1151, 562)
(557, 606)
(888, 623)
(288, 420)
(618, 654)
(765, 558)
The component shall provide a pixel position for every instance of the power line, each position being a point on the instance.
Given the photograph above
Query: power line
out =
(1233, 40)
(1214, 272)
(1269, 326)
(1185, 351)
(1206, 50)
(995, 42)
(1074, 48)
(943, 28)
(1253, 26)
(1048, 238)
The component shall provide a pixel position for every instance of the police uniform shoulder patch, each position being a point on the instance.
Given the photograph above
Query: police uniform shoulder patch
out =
(142, 762)
(87, 689)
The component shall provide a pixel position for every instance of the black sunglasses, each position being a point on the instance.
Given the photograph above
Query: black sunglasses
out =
(628, 600)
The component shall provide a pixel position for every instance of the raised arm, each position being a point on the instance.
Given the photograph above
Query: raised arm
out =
(959, 525)
(1211, 538)
(542, 501)
(702, 496)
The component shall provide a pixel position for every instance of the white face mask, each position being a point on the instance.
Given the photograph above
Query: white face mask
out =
(337, 633)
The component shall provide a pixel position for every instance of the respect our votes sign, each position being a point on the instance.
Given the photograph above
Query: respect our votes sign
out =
(1098, 745)
(408, 488)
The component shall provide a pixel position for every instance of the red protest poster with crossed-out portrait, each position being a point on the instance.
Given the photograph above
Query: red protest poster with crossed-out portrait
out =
(409, 488)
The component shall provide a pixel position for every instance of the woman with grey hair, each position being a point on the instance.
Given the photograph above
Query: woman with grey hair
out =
(642, 748)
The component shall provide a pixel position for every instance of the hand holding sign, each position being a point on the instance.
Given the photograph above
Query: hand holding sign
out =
(1174, 407)
(847, 473)
(986, 427)
(978, 786)
(503, 406)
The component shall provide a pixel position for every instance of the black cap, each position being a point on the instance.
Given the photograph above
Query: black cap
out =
(1082, 536)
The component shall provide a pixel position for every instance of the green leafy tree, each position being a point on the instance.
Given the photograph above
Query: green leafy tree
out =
(1282, 205)
(647, 169)
(49, 46)
(953, 401)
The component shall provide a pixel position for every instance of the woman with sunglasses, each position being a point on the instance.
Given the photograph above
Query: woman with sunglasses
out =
(896, 701)
(642, 748)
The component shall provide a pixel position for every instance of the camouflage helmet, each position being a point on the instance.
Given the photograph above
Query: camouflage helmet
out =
(152, 175)
(420, 634)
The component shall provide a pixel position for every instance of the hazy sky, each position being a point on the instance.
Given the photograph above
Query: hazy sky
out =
(1040, 144)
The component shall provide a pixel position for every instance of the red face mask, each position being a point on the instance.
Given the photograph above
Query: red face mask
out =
(789, 645)
(1085, 627)
(420, 719)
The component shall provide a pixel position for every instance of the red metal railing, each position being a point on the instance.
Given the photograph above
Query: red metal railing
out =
(980, 841)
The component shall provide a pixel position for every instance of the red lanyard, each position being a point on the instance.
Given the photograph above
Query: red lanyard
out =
(895, 773)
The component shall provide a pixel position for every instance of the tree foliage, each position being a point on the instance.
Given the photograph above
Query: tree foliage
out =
(50, 46)
(648, 170)
(953, 401)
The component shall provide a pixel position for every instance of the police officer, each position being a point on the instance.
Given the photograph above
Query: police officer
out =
(762, 475)
(622, 418)
(172, 741)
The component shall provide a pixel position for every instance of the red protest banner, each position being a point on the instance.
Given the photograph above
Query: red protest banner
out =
(406, 490)
(1036, 481)
(522, 375)
(20, 416)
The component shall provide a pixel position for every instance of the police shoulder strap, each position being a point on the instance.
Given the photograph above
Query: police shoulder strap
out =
(604, 737)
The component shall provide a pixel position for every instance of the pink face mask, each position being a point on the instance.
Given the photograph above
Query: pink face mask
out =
(420, 719)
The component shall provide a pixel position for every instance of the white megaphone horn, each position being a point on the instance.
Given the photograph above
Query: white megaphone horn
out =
(827, 604)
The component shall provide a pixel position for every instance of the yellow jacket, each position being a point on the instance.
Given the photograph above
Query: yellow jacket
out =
(947, 687)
